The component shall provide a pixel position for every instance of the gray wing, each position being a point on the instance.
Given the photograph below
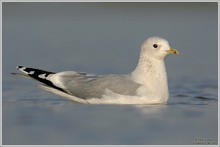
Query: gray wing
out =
(90, 86)
(80, 84)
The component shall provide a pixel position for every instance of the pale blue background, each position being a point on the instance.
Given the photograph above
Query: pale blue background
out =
(105, 38)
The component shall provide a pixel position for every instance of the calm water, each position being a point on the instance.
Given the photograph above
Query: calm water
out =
(105, 38)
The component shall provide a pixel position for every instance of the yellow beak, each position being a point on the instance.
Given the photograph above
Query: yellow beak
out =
(172, 51)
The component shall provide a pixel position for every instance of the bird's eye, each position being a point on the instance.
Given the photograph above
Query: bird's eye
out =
(155, 45)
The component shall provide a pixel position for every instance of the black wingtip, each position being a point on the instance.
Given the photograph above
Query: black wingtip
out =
(19, 67)
(36, 74)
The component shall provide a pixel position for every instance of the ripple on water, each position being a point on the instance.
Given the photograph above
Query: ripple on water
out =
(194, 93)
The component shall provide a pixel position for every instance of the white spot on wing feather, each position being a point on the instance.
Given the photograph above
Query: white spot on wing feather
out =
(31, 72)
(22, 70)
(42, 76)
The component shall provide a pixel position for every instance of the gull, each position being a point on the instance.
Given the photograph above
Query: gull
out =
(146, 84)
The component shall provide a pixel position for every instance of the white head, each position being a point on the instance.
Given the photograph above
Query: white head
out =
(157, 48)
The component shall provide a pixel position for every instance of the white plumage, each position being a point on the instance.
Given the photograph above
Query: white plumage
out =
(147, 84)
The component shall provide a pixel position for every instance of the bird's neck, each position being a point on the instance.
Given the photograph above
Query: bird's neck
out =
(149, 67)
(152, 74)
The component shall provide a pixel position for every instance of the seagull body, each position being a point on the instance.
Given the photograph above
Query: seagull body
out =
(147, 84)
